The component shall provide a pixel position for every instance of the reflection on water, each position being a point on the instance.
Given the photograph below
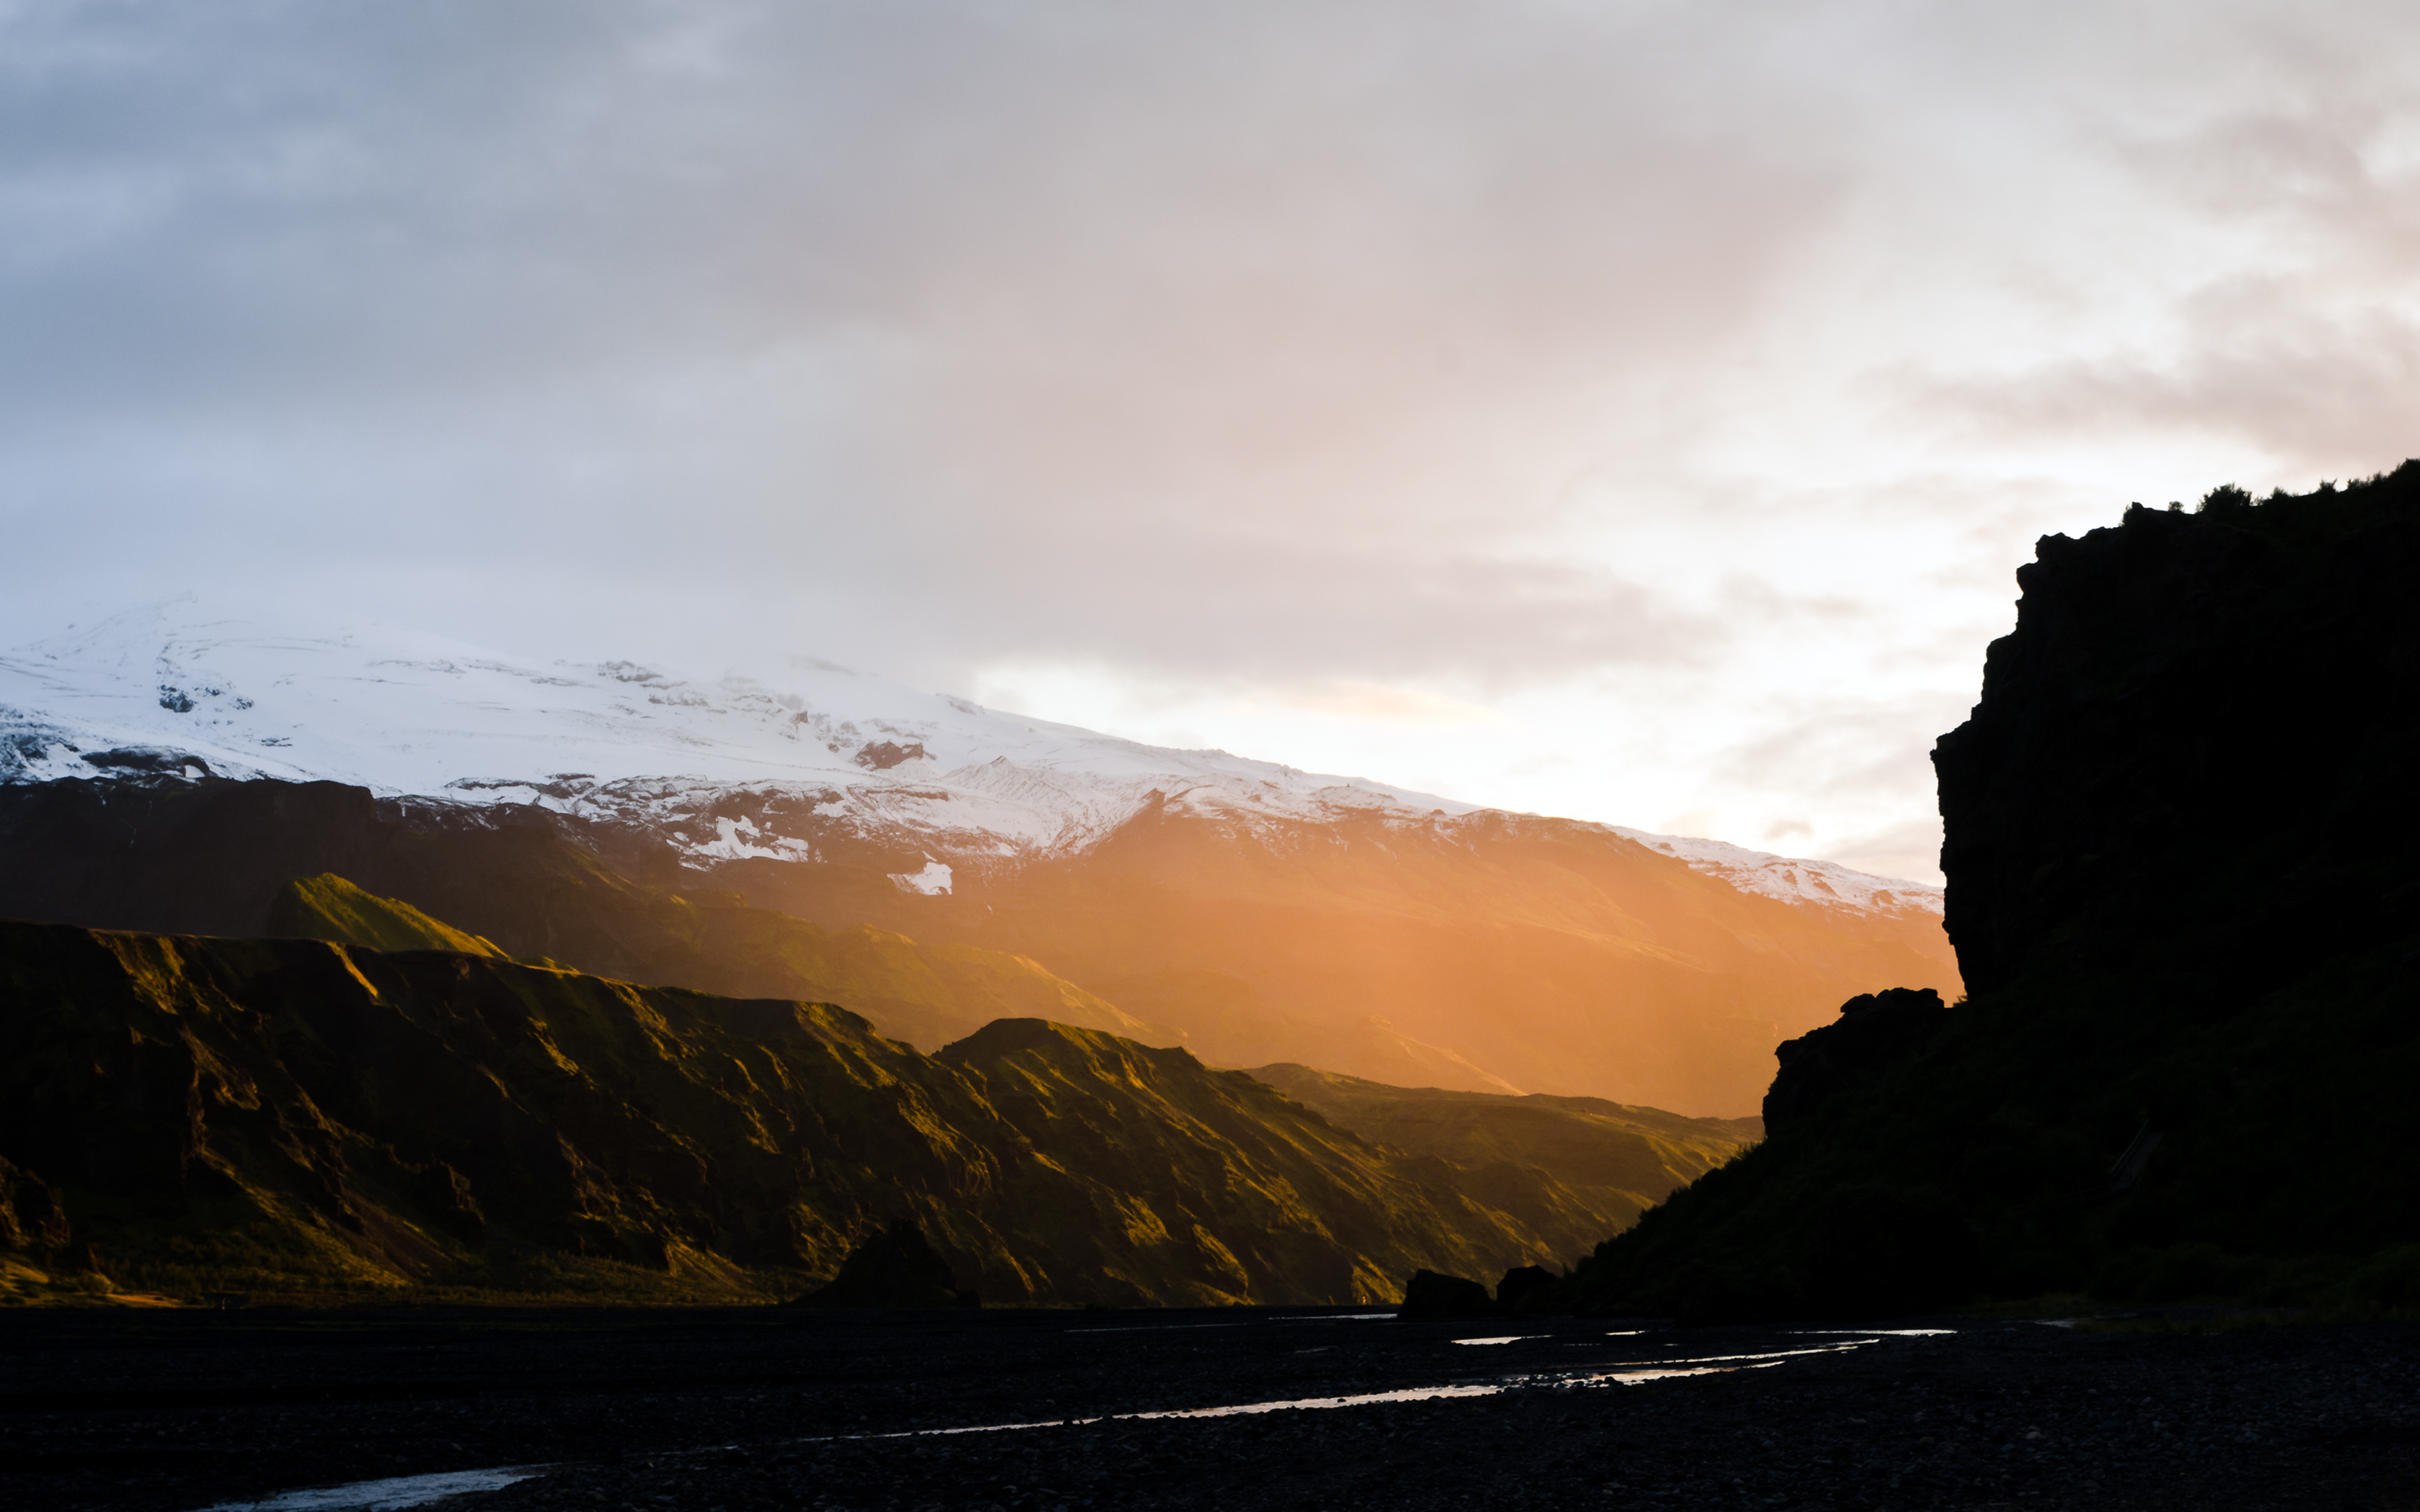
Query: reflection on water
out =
(417, 1491)
(382, 1495)
(1300, 1317)
(1624, 1373)
(1151, 1328)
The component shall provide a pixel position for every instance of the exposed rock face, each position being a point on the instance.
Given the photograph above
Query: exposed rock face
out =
(1876, 1032)
(2183, 849)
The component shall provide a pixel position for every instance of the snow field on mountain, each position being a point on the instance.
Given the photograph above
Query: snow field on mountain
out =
(174, 688)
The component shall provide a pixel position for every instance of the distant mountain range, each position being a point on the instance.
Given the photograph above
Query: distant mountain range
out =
(314, 1117)
(1250, 911)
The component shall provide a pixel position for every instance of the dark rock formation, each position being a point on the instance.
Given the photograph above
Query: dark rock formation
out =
(2182, 838)
(1522, 1282)
(1428, 1294)
(882, 755)
(1876, 1032)
(2202, 731)
(895, 1266)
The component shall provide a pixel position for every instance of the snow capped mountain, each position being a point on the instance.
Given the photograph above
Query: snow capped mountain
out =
(1790, 878)
(786, 769)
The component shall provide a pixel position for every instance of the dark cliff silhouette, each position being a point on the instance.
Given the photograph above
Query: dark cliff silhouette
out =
(2182, 839)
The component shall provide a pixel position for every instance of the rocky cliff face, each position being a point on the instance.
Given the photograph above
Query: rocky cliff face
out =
(2203, 728)
(2183, 852)
(1875, 1035)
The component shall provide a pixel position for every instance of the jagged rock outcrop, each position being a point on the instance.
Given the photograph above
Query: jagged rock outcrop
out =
(1430, 1294)
(1874, 1033)
(2202, 729)
(1523, 1282)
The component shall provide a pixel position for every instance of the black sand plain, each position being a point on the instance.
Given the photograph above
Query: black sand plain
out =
(171, 1411)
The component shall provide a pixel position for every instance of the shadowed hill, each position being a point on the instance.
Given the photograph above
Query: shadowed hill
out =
(1490, 952)
(1144, 1121)
(221, 858)
(194, 1115)
(2183, 849)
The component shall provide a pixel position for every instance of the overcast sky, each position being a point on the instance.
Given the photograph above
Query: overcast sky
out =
(1634, 411)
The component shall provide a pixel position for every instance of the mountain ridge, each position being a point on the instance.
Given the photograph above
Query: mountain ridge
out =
(188, 1116)
(1250, 911)
(1514, 954)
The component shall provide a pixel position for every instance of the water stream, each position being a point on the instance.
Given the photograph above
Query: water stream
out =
(393, 1495)
(385, 1496)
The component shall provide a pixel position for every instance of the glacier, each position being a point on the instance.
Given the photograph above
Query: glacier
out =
(723, 770)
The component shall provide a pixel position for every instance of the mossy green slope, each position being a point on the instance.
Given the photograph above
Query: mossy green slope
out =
(2183, 851)
(300, 1116)
(1267, 1190)
(328, 907)
(1573, 1168)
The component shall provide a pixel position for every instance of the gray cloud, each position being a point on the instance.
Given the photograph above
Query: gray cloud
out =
(1433, 342)
(1225, 327)
(2295, 334)
(2317, 391)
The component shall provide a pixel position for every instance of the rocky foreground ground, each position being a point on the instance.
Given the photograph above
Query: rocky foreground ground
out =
(738, 1411)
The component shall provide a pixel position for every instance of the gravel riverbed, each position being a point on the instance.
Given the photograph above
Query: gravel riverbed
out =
(740, 1411)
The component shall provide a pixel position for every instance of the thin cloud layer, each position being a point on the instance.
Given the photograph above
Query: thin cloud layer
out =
(1678, 386)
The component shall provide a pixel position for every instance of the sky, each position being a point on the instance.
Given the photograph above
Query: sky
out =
(1629, 412)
